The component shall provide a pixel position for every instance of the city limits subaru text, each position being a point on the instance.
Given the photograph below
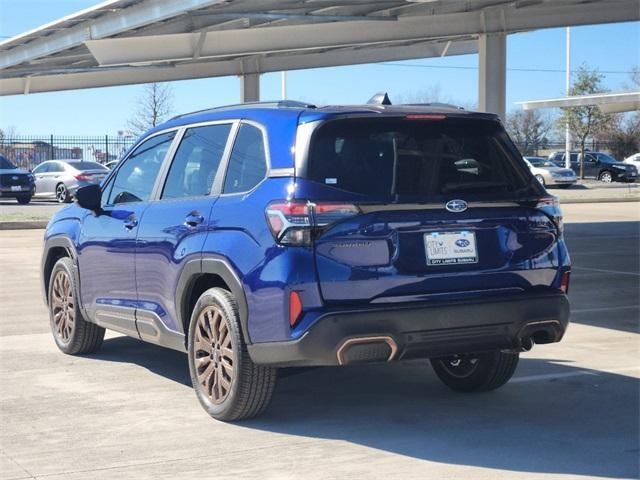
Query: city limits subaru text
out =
(272, 235)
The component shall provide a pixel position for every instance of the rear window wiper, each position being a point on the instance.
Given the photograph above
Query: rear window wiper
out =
(474, 186)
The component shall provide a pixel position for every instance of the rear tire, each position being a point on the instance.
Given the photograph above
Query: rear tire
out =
(71, 332)
(227, 383)
(23, 200)
(476, 372)
(62, 194)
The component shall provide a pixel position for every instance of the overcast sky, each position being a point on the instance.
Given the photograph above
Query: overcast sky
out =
(535, 61)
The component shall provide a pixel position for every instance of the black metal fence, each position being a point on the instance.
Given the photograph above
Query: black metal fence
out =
(29, 151)
(544, 150)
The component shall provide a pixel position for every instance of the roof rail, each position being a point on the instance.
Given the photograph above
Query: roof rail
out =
(267, 104)
(434, 104)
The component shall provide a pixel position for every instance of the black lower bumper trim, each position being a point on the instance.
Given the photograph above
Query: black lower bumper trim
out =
(425, 330)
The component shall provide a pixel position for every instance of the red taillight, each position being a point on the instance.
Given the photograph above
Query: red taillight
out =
(81, 177)
(295, 308)
(292, 222)
(564, 282)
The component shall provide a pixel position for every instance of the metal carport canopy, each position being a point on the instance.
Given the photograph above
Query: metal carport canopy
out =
(612, 102)
(122, 42)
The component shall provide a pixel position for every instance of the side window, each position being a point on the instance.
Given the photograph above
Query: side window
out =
(247, 165)
(135, 179)
(42, 168)
(55, 167)
(574, 157)
(196, 161)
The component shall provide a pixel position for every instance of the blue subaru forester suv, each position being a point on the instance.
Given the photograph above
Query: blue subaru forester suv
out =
(274, 235)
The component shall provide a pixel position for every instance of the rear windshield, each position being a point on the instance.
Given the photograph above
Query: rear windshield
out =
(402, 159)
(87, 166)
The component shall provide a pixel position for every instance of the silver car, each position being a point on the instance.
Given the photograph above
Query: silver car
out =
(548, 173)
(60, 179)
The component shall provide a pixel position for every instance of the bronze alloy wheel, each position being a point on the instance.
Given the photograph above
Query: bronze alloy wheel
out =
(214, 356)
(63, 306)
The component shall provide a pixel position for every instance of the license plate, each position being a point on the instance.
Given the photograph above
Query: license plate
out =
(16, 188)
(450, 248)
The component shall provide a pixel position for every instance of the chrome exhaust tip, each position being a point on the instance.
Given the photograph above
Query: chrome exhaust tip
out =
(370, 354)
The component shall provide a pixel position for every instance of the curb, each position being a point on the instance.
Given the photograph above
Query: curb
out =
(29, 225)
(41, 224)
(568, 201)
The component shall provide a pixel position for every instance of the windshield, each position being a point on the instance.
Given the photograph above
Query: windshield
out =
(6, 164)
(87, 166)
(541, 162)
(415, 160)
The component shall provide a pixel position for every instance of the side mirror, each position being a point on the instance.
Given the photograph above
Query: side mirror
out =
(90, 197)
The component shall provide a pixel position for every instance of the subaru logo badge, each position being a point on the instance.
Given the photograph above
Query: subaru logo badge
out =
(14, 178)
(456, 206)
(462, 243)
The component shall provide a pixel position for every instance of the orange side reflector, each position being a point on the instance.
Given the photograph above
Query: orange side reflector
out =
(295, 308)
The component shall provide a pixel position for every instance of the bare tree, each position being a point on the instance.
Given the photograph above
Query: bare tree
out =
(621, 134)
(529, 129)
(153, 107)
(588, 120)
(433, 94)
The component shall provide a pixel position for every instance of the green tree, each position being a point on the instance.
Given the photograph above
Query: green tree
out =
(587, 120)
(529, 129)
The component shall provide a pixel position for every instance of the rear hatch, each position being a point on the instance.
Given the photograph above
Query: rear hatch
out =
(431, 206)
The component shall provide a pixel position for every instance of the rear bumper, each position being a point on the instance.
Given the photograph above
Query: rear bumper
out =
(422, 331)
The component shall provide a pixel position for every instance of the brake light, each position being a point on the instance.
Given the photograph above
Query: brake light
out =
(81, 177)
(551, 206)
(564, 282)
(425, 117)
(294, 223)
(295, 308)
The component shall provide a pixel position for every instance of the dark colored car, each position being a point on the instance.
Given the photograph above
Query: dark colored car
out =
(15, 182)
(598, 165)
(275, 235)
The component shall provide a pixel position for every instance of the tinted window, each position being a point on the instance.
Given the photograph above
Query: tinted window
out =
(196, 161)
(42, 168)
(414, 159)
(5, 164)
(135, 179)
(87, 166)
(247, 165)
(55, 167)
(573, 157)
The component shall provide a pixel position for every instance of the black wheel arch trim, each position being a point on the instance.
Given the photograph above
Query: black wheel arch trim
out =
(50, 243)
(194, 269)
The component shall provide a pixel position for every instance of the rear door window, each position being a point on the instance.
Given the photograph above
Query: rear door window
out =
(402, 159)
(196, 162)
(248, 164)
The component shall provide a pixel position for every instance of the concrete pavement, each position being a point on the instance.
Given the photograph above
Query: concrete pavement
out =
(129, 410)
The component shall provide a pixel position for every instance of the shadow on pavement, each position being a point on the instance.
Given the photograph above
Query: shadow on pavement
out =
(539, 425)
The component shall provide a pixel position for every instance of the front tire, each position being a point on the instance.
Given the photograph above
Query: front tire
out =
(476, 372)
(606, 177)
(71, 332)
(227, 383)
(24, 200)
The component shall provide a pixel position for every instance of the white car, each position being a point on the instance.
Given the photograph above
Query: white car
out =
(634, 160)
(548, 173)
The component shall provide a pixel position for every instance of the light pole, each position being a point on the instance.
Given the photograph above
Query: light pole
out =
(284, 85)
(567, 135)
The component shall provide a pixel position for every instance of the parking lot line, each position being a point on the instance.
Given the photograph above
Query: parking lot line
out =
(553, 376)
(603, 309)
(602, 270)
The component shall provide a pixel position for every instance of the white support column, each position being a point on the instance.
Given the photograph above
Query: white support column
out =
(492, 80)
(250, 87)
